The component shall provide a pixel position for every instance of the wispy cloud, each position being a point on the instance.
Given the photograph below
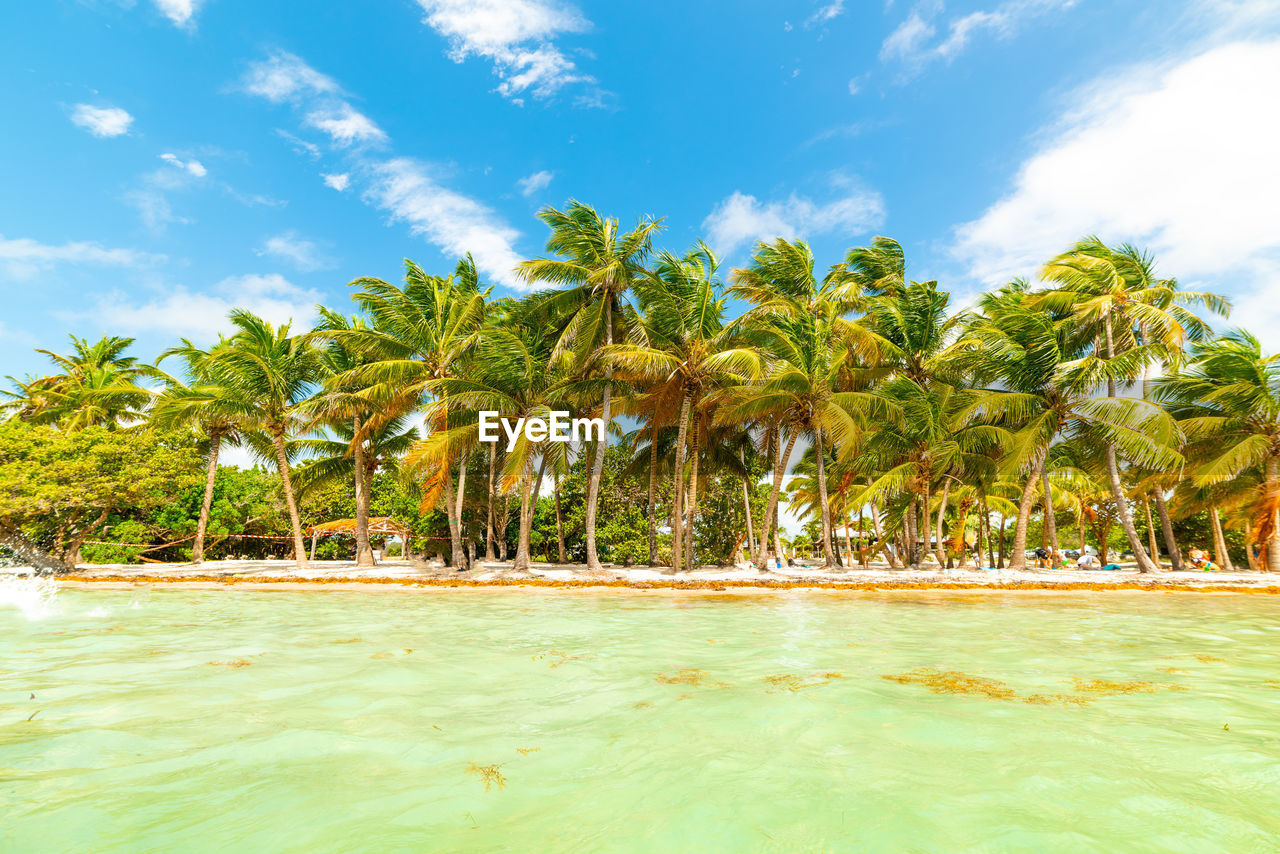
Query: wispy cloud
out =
(533, 183)
(23, 257)
(517, 36)
(409, 190)
(181, 12)
(826, 12)
(741, 219)
(101, 121)
(454, 222)
(180, 310)
(301, 146)
(913, 43)
(191, 167)
(303, 254)
(339, 181)
(1143, 157)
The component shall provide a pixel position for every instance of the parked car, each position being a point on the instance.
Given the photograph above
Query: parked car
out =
(1072, 553)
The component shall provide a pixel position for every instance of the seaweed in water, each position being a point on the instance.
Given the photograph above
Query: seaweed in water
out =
(954, 682)
(489, 774)
(558, 658)
(1207, 659)
(237, 662)
(688, 676)
(525, 751)
(1108, 688)
(796, 682)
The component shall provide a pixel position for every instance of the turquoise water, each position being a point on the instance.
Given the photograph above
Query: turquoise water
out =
(231, 720)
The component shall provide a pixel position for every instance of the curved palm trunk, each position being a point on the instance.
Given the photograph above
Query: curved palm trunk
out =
(693, 498)
(488, 518)
(1154, 550)
(653, 497)
(828, 555)
(780, 470)
(197, 548)
(563, 557)
(940, 550)
(746, 510)
(1166, 526)
(1019, 557)
(1050, 519)
(526, 515)
(597, 465)
(1113, 477)
(1273, 541)
(677, 486)
(364, 552)
(282, 461)
(1220, 542)
(461, 551)
(455, 533)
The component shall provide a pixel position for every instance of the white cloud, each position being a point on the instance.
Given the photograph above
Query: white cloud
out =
(855, 85)
(283, 76)
(180, 311)
(535, 182)
(453, 222)
(101, 121)
(742, 219)
(339, 181)
(301, 253)
(515, 35)
(181, 12)
(1178, 158)
(192, 167)
(23, 257)
(825, 12)
(912, 41)
(344, 125)
(301, 146)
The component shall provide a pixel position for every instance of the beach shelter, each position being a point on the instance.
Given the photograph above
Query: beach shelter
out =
(379, 526)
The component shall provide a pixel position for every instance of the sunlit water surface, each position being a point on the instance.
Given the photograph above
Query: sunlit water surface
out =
(198, 721)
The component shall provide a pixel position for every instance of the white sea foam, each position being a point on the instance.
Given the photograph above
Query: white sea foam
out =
(35, 597)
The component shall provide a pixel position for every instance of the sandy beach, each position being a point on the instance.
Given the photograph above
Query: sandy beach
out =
(331, 575)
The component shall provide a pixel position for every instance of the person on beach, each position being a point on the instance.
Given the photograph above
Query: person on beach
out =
(1085, 561)
(1200, 560)
(1042, 557)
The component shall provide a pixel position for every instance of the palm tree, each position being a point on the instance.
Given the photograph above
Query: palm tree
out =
(418, 335)
(205, 401)
(98, 385)
(801, 325)
(690, 354)
(598, 264)
(276, 370)
(1230, 392)
(1115, 294)
(1047, 378)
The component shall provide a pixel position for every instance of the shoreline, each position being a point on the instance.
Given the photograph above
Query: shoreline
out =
(280, 575)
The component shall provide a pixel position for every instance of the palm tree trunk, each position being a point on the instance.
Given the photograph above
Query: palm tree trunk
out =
(1273, 540)
(979, 554)
(1019, 559)
(282, 462)
(827, 555)
(1151, 534)
(653, 495)
(771, 508)
(563, 557)
(364, 552)
(1220, 541)
(1050, 519)
(677, 486)
(693, 495)
(940, 550)
(488, 518)
(1170, 542)
(197, 548)
(746, 511)
(1000, 555)
(526, 515)
(455, 532)
(457, 512)
(597, 465)
(1113, 476)
(879, 532)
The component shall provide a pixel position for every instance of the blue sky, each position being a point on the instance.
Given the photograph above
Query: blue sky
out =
(165, 160)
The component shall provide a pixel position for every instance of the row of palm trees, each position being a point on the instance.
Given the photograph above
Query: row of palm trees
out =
(1101, 391)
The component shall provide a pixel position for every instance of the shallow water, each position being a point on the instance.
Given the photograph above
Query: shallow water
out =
(232, 720)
